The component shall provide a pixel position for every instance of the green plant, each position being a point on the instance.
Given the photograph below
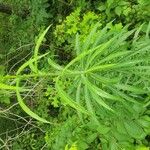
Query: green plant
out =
(65, 32)
(109, 85)
(109, 78)
(124, 11)
(97, 97)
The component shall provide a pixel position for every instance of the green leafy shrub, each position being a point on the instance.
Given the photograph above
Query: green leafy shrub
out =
(123, 11)
(74, 24)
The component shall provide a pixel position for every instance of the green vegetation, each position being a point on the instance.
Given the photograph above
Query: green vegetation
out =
(75, 75)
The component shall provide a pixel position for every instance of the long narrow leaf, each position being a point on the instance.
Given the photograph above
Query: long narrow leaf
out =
(25, 108)
(38, 43)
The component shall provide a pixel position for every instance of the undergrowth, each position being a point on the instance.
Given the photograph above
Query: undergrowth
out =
(82, 83)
